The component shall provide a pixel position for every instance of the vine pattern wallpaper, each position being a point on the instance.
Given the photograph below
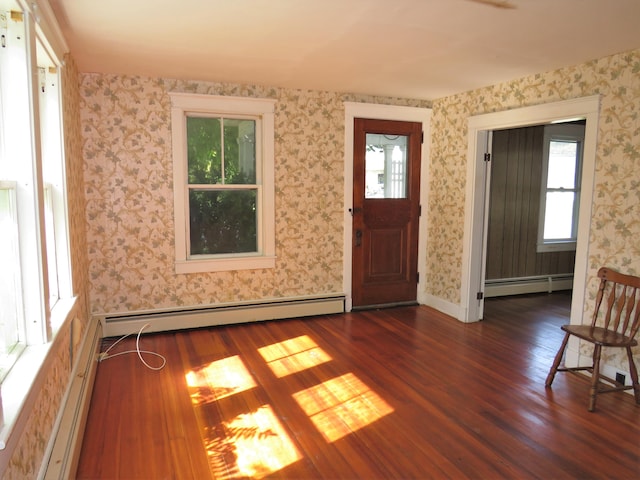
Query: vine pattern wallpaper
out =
(128, 174)
(615, 223)
(127, 152)
(122, 236)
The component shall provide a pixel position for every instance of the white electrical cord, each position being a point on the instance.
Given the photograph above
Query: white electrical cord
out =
(105, 355)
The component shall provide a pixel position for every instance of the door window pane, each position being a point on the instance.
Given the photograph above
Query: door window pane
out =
(386, 166)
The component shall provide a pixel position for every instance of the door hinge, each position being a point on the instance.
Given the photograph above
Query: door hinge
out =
(480, 295)
(419, 210)
(422, 138)
(487, 157)
(418, 277)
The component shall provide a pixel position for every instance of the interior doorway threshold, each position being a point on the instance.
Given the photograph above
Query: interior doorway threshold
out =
(379, 306)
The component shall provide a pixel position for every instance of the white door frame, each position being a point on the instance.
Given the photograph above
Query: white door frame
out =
(480, 127)
(354, 110)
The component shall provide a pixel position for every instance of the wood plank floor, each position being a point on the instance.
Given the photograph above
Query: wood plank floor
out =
(397, 393)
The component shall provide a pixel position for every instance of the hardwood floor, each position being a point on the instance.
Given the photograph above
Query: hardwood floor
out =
(396, 393)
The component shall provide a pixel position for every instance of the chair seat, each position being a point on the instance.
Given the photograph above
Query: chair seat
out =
(600, 336)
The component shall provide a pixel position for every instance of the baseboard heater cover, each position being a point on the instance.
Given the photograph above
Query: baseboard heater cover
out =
(220, 314)
(523, 285)
(61, 459)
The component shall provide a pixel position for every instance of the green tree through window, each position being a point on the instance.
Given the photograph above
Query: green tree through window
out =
(222, 185)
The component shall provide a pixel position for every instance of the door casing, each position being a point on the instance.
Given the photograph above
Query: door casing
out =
(384, 112)
(480, 128)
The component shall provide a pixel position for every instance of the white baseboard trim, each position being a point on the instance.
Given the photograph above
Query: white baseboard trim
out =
(443, 306)
(220, 314)
(66, 440)
(524, 285)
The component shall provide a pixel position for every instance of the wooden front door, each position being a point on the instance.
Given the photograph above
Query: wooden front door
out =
(386, 210)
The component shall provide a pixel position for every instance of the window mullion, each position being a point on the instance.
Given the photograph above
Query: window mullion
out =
(222, 159)
(185, 213)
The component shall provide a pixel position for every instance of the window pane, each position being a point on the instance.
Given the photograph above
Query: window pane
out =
(9, 280)
(386, 166)
(52, 169)
(214, 160)
(239, 151)
(50, 235)
(562, 164)
(558, 220)
(204, 150)
(222, 221)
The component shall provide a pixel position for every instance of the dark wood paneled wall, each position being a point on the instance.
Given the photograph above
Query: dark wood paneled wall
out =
(516, 175)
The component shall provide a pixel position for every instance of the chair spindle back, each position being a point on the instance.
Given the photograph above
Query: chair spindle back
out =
(622, 293)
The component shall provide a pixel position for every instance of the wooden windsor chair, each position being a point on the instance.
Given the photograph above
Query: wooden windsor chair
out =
(615, 322)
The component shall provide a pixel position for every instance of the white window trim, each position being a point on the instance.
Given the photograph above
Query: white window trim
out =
(21, 386)
(24, 381)
(559, 132)
(185, 103)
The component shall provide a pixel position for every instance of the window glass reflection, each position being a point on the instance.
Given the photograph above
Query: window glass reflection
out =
(386, 166)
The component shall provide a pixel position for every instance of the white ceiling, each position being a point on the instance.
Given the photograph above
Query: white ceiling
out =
(423, 49)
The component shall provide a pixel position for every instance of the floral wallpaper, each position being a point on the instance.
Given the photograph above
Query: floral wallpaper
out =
(128, 180)
(615, 225)
(30, 449)
(117, 141)
(128, 176)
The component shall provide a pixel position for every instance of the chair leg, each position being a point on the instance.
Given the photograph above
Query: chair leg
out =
(557, 360)
(634, 376)
(595, 377)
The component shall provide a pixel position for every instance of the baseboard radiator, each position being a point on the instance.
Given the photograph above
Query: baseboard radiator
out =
(220, 314)
(521, 285)
(61, 460)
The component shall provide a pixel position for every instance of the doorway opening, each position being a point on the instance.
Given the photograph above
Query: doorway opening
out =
(481, 128)
(533, 207)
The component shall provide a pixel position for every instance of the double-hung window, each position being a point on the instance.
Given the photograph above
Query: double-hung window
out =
(223, 182)
(560, 192)
(35, 267)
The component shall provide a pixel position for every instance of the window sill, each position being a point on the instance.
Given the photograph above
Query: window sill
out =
(17, 390)
(225, 265)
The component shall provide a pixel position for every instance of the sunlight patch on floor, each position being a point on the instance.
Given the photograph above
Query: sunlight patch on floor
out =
(218, 380)
(341, 406)
(249, 441)
(257, 443)
(293, 355)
